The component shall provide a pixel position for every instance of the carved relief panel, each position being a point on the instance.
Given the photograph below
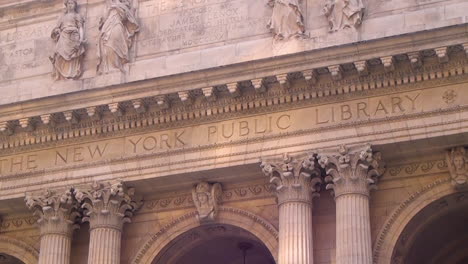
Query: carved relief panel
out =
(69, 40)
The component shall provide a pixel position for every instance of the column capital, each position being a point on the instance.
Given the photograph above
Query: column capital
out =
(352, 170)
(297, 179)
(108, 205)
(58, 210)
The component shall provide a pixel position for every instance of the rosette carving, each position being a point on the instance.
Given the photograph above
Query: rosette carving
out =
(58, 211)
(295, 178)
(108, 204)
(352, 170)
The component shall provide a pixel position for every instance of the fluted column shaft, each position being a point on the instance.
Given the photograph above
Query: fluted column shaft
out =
(351, 174)
(107, 207)
(295, 233)
(104, 246)
(297, 182)
(353, 232)
(58, 213)
(55, 249)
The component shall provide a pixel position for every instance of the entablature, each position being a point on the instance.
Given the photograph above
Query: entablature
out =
(120, 108)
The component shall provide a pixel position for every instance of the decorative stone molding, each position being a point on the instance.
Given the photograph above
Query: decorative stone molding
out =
(399, 218)
(206, 198)
(336, 72)
(442, 54)
(352, 171)
(21, 223)
(57, 211)
(257, 191)
(350, 85)
(19, 249)
(255, 224)
(295, 179)
(109, 204)
(362, 67)
(457, 161)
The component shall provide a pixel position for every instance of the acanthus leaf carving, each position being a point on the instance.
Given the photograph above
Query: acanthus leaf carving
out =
(295, 178)
(70, 43)
(109, 204)
(58, 210)
(458, 166)
(352, 170)
(207, 198)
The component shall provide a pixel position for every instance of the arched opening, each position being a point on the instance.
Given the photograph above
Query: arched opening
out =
(438, 234)
(7, 259)
(213, 244)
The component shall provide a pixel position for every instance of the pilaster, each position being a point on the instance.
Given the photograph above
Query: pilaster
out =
(107, 207)
(297, 182)
(351, 174)
(58, 213)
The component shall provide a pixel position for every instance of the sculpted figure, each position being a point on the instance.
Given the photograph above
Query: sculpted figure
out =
(117, 30)
(343, 13)
(287, 20)
(69, 48)
(457, 163)
(206, 198)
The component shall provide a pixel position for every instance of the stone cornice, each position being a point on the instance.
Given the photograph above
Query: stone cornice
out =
(244, 72)
(153, 113)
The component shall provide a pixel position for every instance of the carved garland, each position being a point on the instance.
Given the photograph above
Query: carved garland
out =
(397, 212)
(190, 217)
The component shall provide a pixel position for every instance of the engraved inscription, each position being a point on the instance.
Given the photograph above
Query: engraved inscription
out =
(189, 23)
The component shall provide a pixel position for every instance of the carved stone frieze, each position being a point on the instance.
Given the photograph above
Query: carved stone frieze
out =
(343, 14)
(117, 31)
(206, 198)
(70, 43)
(353, 170)
(457, 161)
(405, 77)
(286, 20)
(108, 205)
(58, 211)
(295, 178)
(257, 191)
(18, 223)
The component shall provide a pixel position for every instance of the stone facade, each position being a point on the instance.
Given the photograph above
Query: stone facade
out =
(281, 131)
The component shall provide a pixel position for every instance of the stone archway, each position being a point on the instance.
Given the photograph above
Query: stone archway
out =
(400, 218)
(438, 234)
(19, 250)
(257, 226)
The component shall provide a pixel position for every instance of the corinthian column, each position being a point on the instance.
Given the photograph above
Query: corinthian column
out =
(351, 174)
(57, 212)
(107, 207)
(296, 181)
